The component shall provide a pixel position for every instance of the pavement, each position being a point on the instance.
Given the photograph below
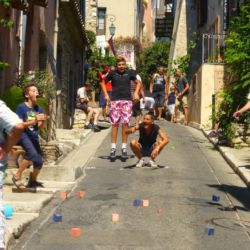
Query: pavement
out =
(60, 177)
(238, 159)
(64, 176)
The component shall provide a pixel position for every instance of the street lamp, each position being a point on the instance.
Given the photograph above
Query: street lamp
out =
(112, 29)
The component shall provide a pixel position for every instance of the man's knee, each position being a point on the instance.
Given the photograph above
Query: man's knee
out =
(134, 143)
(37, 161)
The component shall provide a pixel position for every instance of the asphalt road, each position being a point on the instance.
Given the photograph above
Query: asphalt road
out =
(180, 203)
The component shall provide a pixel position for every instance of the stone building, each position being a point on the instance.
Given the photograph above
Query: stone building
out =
(126, 16)
(210, 21)
(48, 35)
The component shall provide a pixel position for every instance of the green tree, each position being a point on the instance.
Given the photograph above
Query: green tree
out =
(155, 55)
(237, 58)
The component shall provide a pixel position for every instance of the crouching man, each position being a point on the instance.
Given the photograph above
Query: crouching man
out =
(148, 145)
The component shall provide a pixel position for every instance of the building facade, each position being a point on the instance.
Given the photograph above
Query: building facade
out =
(48, 36)
(126, 16)
(209, 21)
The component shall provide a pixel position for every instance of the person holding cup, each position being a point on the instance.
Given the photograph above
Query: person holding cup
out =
(29, 111)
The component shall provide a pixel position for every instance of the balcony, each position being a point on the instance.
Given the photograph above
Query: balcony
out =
(213, 46)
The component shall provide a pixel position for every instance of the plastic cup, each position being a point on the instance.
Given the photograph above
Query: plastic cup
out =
(209, 230)
(115, 217)
(80, 194)
(64, 195)
(137, 203)
(57, 217)
(145, 203)
(8, 210)
(216, 198)
(75, 232)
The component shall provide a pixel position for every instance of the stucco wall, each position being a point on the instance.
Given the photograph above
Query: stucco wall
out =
(125, 14)
(148, 22)
(209, 82)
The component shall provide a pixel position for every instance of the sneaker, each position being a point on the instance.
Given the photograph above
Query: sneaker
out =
(112, 154)
(152, 164)
(106, 120)
(89, 126)
(124, 155)
(140, 163)
(34, 184)
(96, 128)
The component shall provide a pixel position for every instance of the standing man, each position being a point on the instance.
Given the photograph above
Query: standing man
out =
(182, 87)
(120, 103)
(11, 128)
(102, 76)
(159, 88)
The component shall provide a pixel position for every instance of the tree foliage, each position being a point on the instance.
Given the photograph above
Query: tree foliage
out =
(155, 55)
(237, 58)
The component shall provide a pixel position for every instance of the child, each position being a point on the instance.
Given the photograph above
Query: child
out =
(121, 103)
(31, 112)
(102, 76)
(171, 103)
(147, 102)
(82, 103)
(147, 145)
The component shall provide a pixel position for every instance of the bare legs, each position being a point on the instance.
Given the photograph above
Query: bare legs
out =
(114, 133)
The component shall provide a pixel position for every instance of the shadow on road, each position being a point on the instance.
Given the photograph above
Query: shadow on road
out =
(242, 194)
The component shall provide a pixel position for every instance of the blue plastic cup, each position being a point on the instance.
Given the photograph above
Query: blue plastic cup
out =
(209, 230)
(137, 203)
(57, 217)
(8, 210)
(216, 197)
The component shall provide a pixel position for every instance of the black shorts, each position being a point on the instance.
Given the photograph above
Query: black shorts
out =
(83, 106)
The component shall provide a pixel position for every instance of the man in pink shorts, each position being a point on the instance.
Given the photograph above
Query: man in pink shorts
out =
(120, 103)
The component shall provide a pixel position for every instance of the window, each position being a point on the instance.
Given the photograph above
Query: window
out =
(101, 21)
(202, 12)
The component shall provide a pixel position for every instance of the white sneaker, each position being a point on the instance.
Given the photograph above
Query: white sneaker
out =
(140, 163)
(152, 164)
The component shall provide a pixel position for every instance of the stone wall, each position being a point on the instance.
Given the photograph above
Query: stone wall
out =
(50, 151)
(242, 136)
(91, 11)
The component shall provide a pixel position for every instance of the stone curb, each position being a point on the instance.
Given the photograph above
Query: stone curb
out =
(231, 158)
(22, 217)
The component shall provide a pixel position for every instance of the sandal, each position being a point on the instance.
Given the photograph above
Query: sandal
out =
(15, 181)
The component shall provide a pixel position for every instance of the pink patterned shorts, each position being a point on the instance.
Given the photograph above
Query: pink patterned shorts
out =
(120, 111)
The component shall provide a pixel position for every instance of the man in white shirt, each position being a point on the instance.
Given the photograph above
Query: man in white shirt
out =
(11, 128)
(92, 113)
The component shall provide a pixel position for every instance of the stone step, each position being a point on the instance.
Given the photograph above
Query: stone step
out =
(16, 225)
(26, 202)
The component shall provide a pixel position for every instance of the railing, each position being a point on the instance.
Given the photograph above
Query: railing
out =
(213, 46)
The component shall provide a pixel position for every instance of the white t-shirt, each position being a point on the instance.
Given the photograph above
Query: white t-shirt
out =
(248, 96)
(82, 93)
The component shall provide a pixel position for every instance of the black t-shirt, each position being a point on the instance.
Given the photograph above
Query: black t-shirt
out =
(181, 84)
(147, 140)
(121, 84)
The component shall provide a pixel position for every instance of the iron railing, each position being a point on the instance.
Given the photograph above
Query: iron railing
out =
(213, 47)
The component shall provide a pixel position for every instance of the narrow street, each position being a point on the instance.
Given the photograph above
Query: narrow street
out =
(180, 207)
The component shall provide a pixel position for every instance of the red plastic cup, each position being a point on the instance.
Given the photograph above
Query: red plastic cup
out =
(80, 194)
(75, 232)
